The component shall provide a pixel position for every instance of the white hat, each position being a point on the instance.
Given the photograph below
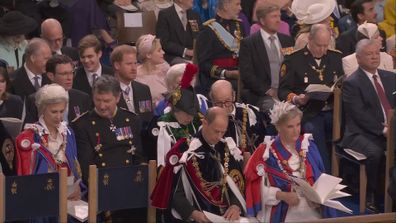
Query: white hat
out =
(312, 11)
(368, 29)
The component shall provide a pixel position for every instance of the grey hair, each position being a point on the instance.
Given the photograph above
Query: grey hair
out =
(222, 3)
(106, 84)
(50, 94)
(34, 46)
(292, 113)
(263, 10)
(173, 73)
(363, 44)
(316, 28)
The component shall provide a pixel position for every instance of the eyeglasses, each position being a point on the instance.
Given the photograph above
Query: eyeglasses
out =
(223, 103)
(61, 39)
(68, 74)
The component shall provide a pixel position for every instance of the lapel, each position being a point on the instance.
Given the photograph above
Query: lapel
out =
(84, 83)
(369, 92)
(25, 83)
(388, 84)
(262, 51)
(178, 24)
(136, 97)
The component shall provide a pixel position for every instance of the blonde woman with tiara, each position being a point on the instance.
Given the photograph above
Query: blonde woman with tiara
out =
(153, 67)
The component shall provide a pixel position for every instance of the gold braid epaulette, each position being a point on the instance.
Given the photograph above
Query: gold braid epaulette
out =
(244, 131)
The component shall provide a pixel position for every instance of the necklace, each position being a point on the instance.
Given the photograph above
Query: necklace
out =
(284, 164)
(319, 71)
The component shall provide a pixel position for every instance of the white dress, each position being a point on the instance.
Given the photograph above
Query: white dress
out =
(301, 212)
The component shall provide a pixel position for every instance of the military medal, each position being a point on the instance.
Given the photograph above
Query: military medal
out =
(132, 150)
(112, 126)
(319, 71)
(305, 79)
(98, 144)
(77, 110)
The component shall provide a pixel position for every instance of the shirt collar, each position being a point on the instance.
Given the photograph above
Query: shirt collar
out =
(30, 74)
(370, 75)
(266, 35)
(98, 71)
(178, 8)
(124, 86)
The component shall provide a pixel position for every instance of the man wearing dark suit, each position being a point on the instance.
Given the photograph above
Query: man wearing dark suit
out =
(60, 70)
(51, 30)
(361, 11)
(90, 52)
(135, 97)
(30, 77)
(367, 97)
(261, 56)
(177, 27)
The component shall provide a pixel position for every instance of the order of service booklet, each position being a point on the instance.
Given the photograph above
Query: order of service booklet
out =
(325, 189)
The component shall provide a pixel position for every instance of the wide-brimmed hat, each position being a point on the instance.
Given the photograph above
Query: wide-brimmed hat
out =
(312, 11)
(15, 23)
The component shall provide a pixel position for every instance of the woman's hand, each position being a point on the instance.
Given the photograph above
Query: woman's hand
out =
(76, 195)
(232, 213)
(199, 217)
(291, 198)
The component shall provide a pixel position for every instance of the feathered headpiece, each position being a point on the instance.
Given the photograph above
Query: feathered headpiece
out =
(280, 108)
(189, 72)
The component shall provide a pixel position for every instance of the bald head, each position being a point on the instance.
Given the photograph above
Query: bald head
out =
(51, 30)
(222, 95)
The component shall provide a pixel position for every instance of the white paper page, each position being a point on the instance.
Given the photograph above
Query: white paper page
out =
(325, 184)
(130, 8)
(307, 190)
(317, 88)
(337, 194)
(356, 155)
(219, 219)
(133, 20)
(337, 205)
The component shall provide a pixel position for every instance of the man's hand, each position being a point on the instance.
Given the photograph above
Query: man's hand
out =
(189, 53)
(232, 74)
(232, 213)
(271, 92)
(301, 99)
(76, 195)
(291, 198)
(199, 217)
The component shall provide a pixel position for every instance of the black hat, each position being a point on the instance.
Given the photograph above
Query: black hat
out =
(15, 23)
(184, 97)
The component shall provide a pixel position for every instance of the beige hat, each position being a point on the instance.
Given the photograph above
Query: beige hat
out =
(368, 29)
(312, 11)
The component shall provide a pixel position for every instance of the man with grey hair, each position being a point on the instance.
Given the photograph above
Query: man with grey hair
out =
(261, 56)
(218, 46)
(367, 98)
(30, 77)
(51, 30)
(313, 64)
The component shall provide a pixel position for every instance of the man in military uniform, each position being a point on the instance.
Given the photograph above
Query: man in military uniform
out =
(246, 124)
(218, 46)
(108, 136)
(211, 165)
(314, 64)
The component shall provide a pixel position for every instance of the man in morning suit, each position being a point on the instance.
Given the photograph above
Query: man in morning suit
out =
(261, 56)
(135, 97)
(109, 136)
(60, 70)
(177, 27)
(51, 30)
(30, 77)
(367, 97)
(362, 11)
(218, 47)
(313, 64)
(90, 51)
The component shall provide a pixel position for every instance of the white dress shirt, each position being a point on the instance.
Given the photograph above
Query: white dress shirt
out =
(90, 74)
(31, 76)
(128, 99)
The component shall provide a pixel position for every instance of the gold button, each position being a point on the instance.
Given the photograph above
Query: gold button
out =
(97, 134)
(130, 142)
(93, 122)
(127, 161)
(103, 164)
(127, 119)
(100, 154)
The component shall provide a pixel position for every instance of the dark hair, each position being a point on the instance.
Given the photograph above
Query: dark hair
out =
(106, 84)
(88, 42)
(55, 60)
(4, 73)
(357, 8)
